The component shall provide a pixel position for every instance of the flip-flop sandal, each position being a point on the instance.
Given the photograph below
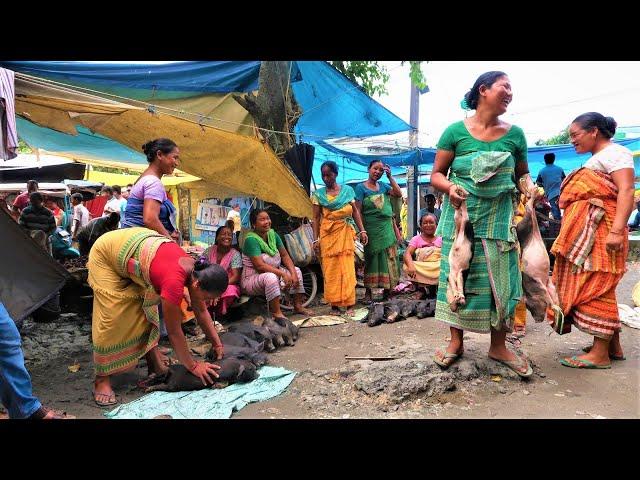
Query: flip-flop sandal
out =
(587, 349)
(516, 365)
(444, 359)
(108, 403)
(582, 363)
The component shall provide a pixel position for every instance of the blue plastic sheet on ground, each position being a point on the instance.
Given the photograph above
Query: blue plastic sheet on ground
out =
(208, 403)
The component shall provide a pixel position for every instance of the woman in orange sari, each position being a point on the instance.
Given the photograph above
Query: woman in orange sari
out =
(333, 229)
(592, 246)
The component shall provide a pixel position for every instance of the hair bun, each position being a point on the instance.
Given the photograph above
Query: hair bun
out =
(201, 264)
(611, 124)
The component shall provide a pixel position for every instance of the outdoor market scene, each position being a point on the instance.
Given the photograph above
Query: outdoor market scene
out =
(319, 240)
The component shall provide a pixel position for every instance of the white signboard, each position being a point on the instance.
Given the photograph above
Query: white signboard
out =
(211, 216)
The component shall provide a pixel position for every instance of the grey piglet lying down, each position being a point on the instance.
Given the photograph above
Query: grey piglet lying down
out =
(179, 379)
(257, 357)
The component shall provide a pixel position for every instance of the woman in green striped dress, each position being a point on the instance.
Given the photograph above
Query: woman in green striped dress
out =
(483, 161)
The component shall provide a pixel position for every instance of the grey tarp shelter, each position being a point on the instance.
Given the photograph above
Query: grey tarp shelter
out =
(28, 276)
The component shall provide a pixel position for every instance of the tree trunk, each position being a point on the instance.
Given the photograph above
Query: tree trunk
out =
(184, 204)
(274, 108)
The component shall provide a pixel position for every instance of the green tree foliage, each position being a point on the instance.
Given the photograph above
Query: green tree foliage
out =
(23, 147)
(561, 138)
(373, 77)
(416, 75)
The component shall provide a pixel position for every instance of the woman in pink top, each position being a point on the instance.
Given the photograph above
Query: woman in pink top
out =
(422, 257)
(223, 254)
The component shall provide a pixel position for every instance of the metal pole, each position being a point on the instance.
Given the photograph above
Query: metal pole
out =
(413, 202)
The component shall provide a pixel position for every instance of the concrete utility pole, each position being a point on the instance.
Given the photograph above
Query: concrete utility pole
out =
(413, 177)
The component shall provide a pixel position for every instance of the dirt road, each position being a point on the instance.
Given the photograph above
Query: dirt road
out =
(412, 386)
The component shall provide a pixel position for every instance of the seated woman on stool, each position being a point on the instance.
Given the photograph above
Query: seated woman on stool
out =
(267, 266)
(223, 254)
(422, 257)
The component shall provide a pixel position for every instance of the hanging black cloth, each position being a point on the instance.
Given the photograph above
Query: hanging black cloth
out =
(300, 159)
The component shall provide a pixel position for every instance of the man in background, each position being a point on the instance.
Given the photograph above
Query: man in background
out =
(234, 216)
(22, 200)
(80, 215)
(117, 203)
(550, 178)
(430, 198)
(36, 216)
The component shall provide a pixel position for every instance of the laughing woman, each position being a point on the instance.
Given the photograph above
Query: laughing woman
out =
(380, 254)
(267, 268)
(591, 248)
(334, 214)
(480, 161)
(422, 257)
(148, 204)
(223, 254)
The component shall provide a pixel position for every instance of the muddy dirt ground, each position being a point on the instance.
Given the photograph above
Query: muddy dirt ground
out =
(412, 386)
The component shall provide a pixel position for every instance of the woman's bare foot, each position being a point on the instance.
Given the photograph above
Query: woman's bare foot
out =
(615, 349)
(599, 352)
(502, 354)
(615, 353)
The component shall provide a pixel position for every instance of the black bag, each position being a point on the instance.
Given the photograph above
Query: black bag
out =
(300, 159)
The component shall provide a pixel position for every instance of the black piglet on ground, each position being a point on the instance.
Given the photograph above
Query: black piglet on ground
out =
(179, 379)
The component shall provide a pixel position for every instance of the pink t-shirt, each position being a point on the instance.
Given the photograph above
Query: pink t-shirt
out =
(21, 200)
(419, 242)
(149, 186)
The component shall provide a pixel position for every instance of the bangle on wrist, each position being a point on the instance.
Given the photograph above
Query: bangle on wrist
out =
(193, 367)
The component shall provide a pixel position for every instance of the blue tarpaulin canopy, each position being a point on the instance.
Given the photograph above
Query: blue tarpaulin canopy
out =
(355, 164)
(332, 105)
(148, 81)
(86, 145)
